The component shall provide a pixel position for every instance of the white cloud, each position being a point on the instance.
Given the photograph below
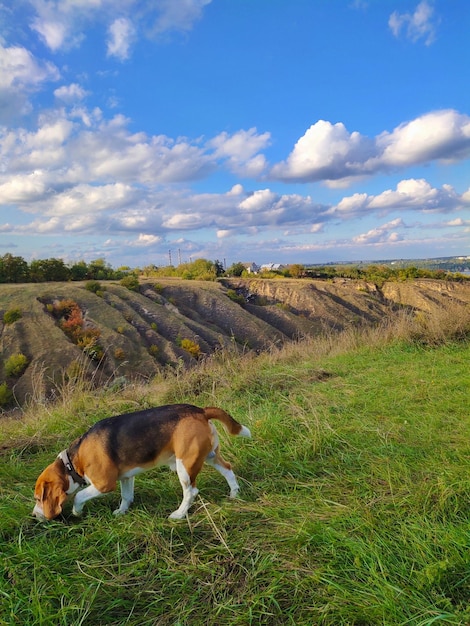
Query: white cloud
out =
(78, 172)
(177, 14)
(328, 152)
(412, 194)
(21, 74)
(418, 25)
(62, 24)
(70, 93)
(89, 199)
(241, 150)
(53, 33)
(20, 70)
(440, 135)
(382, 234)
(146, 241)
(120, 36)
(22, 189)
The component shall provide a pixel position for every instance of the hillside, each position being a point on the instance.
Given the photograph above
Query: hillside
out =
(174, 323)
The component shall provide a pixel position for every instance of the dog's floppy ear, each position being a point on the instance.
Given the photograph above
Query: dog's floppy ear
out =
(52, 498)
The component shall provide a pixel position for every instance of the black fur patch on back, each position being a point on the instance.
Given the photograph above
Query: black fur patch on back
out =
(140, 435)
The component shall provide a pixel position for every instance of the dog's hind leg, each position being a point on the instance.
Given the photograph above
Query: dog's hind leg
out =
(127, 495)
(223, 467)
(189, 490)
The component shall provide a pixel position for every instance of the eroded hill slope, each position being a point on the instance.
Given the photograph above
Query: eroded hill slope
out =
(174, 322)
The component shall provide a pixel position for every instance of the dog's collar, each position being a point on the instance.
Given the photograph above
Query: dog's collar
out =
(64, 457)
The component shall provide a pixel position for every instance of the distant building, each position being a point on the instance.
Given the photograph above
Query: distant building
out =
(251, 268)
(272, 267)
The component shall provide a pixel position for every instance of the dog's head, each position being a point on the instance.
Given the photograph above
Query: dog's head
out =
(50, 492)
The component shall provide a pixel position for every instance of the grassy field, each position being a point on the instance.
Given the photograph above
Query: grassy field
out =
(354, 509)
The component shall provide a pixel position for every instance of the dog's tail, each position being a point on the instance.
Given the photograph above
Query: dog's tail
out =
(233, 427)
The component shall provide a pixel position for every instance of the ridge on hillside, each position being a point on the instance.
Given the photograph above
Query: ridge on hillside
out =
(174, 322)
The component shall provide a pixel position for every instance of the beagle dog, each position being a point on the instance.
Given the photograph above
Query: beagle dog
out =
(118, 448)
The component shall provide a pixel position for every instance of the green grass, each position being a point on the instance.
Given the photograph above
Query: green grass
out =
(354, 507)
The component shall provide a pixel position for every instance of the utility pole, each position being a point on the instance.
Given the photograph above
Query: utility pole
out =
(169, 256)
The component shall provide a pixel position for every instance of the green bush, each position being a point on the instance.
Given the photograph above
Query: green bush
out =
(235, 297)
(15, 365)
(153, 350)
(5, 395)
(12, 315)
(130, 282)
(95, 287)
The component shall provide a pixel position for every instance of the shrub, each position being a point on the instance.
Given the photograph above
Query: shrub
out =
(88, 338)
(71, 321)
(235, 297)
(15, 365)
(153, 350)
(95, 351)
(11, 316)
(119, 354)
(130, 282)
(5, 395)
(95, 287)
(191, 347)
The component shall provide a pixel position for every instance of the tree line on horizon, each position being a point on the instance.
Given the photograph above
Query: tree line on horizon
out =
(14, 269)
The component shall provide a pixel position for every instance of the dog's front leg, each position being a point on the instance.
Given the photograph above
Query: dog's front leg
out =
(83, 496)
(127, 495)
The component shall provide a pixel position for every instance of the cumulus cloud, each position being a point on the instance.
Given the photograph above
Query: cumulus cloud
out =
(21, 189)
(20, 75)
(411, 194)
(85, 148)
(53, 33)
(440, 135)
(241, 149)
(78, 172)
(326, 151)
(329, 152)
(70, 93)
(421, 24)
(120, 35)
(386, 233)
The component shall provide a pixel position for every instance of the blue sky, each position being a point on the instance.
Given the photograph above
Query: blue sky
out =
(290, 131)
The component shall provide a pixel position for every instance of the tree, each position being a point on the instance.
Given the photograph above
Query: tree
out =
(236, 269)
(79, 270)
(296, 270)
(219, 268)
(13, 269)
(99, 270)
(49, 270)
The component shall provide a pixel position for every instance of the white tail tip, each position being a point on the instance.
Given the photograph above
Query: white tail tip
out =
(245, 432)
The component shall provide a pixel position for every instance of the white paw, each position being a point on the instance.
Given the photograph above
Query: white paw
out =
(234, 493)
(77, 512)
(176, 515)
(118, 512)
